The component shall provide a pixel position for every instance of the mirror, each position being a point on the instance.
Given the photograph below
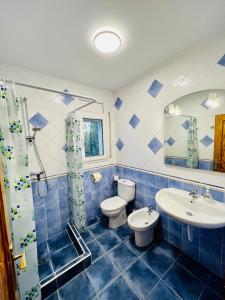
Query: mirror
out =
(195, 131)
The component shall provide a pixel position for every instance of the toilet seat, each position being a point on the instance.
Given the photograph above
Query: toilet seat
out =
(112, 204)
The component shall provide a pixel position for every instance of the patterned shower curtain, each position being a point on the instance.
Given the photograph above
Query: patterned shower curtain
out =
(192, 144)
(75, 172)
(14, 157)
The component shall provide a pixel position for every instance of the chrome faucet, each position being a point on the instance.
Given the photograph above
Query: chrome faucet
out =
(150, 209)
(194, 194)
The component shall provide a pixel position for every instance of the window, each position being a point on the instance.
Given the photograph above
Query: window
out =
(93, 137)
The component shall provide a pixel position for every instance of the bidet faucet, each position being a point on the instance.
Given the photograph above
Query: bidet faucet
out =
(194, 193)
(150, 209)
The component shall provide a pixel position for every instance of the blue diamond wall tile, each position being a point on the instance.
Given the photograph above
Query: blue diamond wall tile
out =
(119, 144)
(206, 141)
(185, 125)
(170, 141)
(205, 104)
(155, 88)
(134, 121)
(118, 103)
(65, 147)
(38, 120)
(67, 99)
(221, 61)
(155, 145)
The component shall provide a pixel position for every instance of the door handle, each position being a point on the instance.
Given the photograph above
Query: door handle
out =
(23, 262)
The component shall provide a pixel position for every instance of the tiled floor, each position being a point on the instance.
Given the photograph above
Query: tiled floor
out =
(54, 254)
(120, 270)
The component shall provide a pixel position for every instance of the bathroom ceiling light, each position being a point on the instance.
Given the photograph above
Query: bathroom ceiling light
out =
(213, 100)
(107, 41)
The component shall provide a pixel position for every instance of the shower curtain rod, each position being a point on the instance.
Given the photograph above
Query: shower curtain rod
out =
(81, 98)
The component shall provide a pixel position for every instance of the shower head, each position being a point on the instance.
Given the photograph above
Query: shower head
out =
(35, 129)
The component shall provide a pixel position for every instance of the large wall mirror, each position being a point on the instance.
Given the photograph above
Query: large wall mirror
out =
(195, 131)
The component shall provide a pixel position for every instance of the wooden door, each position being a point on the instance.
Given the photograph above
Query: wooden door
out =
(7, 272)
(219, 143)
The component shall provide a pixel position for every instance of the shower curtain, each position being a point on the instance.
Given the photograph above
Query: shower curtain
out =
(14, 157)
(192, 144)
(75, 171)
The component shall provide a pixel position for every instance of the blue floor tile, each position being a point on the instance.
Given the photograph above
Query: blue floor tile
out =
(118, 290)
(162, 292)
(45, 269)
(101, 273)
(124, 232)
(137, 250)
(122, 257)
(96, 250)
(217, 284)
(141, 278)
(155, 257)
(208, 294)
(98, 228)
(53, 296)
(169, 249)
(194, 267)
(58, 241)
(63, 256)
(183, 283)
(108, 240)
(87, 236)
(79, 288)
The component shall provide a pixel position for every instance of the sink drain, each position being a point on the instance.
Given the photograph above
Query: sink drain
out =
(189, 213)
(146, 223)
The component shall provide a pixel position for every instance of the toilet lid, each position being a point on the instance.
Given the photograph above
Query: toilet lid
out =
(113, 203)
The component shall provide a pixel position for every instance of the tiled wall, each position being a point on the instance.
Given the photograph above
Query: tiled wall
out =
(51, 212)
(95, 193)
(206, 244)
(49, 111)
(182, 162)
(139, 108)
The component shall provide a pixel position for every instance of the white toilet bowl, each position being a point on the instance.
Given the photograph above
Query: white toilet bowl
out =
(143, 221)
(115, 207)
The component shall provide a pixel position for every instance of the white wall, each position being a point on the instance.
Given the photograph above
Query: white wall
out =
(195, 70)
(51, 139)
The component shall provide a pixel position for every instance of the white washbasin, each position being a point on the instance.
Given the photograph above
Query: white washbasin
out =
(199, 212)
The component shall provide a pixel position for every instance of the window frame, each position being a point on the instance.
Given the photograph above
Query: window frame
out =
(105, 135)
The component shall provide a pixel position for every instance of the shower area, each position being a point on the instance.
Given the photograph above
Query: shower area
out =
(57, 203)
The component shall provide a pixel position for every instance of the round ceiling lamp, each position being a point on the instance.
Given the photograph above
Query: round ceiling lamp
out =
(107, 41)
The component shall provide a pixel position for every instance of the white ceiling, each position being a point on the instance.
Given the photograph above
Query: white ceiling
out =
(55, 36)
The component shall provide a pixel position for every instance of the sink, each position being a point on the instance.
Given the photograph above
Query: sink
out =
(198, 212)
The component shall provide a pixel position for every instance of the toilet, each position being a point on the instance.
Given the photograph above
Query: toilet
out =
(143, 221)
(115, 207)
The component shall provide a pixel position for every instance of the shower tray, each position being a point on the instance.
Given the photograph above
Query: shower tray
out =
(60, 258)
